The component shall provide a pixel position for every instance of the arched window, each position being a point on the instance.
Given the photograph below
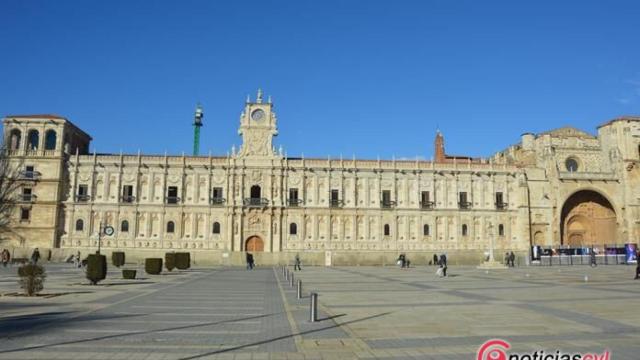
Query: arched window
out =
(216, 227)
(425, 230)
(14, 140)
(79, 225)
(293, 229)
(387, 230)
(50, 139)
(171, 227)
(34, 139)
(500, 230)
(124, 226)
(255, 192)
(465, 230)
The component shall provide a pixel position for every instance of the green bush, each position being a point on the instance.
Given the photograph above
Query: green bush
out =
(170, 261)
(96, 268)
(153, 266)
(31, 278)
(117, 258)
(183, 260)
(128, 274)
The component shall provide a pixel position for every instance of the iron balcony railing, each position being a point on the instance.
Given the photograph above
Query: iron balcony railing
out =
(387, 204)
(294, 202)
(256, 202)
(427, 205)
(27, 198)
(29, 175)
(128, 199)
(335, 203)
(82, 197)
(464, 205)
(217, 201)
(172, 200)
(502, 206)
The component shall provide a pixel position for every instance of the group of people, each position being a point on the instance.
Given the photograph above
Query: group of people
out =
(510, 259)
(441, 262)
(6, 257)
(403, 261)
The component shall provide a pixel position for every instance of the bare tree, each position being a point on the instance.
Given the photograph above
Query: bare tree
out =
(10, 171)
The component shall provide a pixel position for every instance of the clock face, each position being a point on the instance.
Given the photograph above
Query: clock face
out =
(257, 115)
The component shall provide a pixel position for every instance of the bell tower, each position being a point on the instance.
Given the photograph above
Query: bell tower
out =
(257, 128)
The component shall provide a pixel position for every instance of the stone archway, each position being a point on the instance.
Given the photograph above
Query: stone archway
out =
(254, 244)
(587, 219)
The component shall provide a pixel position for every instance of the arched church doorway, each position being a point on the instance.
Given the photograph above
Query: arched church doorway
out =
(254, 243)
(588, 218)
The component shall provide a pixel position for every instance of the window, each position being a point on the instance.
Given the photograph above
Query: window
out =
(127, 193)
(25, 214)
(425, 200)
(29, 172)
(335, 198)
(387, 230)
(465, 230)
(217, 197)
(15, 138)
(50, 139)
(27, 194)
(500, 204)
(34, 139)
(293, 229)
(571, 164)
(124, 226)
(172, 195)
(216, 227)
(386, 198)
(255, 192)
(500, 230)
(83, 193)
(293, 197)
(171, 227)
(79, 225)
(463, 201)
(425, 230)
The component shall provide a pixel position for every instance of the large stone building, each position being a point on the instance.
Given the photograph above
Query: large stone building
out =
(561, 187)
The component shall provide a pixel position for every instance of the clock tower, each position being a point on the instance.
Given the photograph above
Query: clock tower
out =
(257, 128)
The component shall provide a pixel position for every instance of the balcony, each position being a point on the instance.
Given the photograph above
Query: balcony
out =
(217, 201)
(128, 199)
(256, 202)
(427, 205)
(387, 204)
(29, 175)
(502, 206)
(27, 198)
(82, 198)
(335, 203)
(294, 202)
(172, 200)
(464, 205)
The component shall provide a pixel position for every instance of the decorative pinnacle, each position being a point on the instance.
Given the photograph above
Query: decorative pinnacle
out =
(259, 97)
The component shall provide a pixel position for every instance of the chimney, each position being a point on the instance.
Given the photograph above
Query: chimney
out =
(439, 148)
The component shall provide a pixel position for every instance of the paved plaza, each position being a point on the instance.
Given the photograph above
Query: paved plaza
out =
(365, 313)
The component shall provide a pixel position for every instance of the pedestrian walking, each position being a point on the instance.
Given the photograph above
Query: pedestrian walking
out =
(76, 261)
(443, 264)
(6, 257)
(35, 256)
(296, 264)
(249, 259)
(435, 260)
(512, 259)
(592, 258)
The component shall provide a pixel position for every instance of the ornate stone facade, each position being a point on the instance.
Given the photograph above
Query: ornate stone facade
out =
(558, 187)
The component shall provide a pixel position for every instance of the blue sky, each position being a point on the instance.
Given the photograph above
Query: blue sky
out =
(370, 78)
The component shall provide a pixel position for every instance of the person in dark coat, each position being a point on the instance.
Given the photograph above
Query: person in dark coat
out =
(6, 257)
(637, 265)
(249, 261)
(435, 260)
(443, 264)
(592, 258)
(512, 259)
(35, 256)
(296, 264)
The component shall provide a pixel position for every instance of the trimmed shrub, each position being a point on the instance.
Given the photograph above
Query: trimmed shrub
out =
(170, 261)
(183, 260)
(153, 266)
(117, 258)
(31, 278)
(96, 268)
(128, 274)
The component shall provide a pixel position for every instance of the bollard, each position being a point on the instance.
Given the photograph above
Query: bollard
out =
(291, 280)
(313, 309)
(286, 274)
(283, 267)
(299, 289)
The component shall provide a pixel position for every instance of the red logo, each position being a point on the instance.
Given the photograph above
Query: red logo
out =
(494, 349)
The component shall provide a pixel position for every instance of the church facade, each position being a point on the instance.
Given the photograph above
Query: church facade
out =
(557, 188)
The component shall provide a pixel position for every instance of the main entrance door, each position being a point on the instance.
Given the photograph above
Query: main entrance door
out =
(254, 243)
(588, 219)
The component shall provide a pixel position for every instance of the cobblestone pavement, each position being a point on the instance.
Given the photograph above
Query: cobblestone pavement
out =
(365, 312)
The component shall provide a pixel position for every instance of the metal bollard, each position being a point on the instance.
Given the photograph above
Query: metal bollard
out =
(283, 270)
(299, 289)
(286, 274)
(313, 309)
(291, 280)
